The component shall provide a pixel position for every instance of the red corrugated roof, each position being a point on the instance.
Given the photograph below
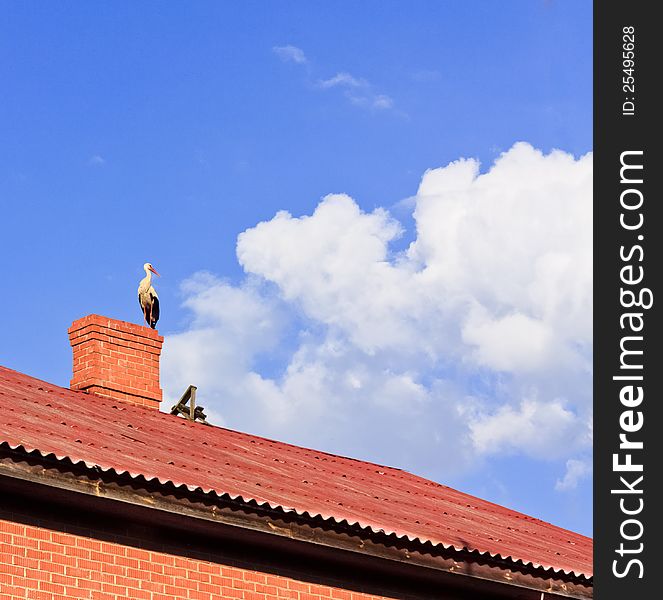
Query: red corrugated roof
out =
(111, 435)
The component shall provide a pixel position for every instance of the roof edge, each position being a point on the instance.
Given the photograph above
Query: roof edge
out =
(81, 477)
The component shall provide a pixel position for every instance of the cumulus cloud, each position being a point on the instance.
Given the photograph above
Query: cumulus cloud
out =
(541, 429)
(576, 470)
(290, 54)
(473, 342)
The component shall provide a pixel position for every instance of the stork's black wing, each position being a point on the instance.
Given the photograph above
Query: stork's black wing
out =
(155, 311)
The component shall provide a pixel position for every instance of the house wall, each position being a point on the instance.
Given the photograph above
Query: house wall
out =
(40, 563)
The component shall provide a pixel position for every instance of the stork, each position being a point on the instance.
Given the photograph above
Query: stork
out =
(147, 296)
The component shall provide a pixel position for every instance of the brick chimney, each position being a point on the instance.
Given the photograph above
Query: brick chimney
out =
(116, 359)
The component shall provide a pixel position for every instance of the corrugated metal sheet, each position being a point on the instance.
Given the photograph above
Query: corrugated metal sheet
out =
(144, 442)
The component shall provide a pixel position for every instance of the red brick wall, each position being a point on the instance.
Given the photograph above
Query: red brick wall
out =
(116, 359)
(42, 564)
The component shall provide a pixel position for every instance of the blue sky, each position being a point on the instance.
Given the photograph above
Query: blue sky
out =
(160, 132)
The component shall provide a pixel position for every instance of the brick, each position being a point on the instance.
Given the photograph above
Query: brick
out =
(196, 576)
(77, 552)
(221, 580)
(63, 579)
(212, 588)
(163, 559)
(98, 555)
(151, 567)
(25, 541)
(35, 574)
(173, 591)
(88, 543)
(60, 538)
(88, 565)
(185, 584)
(50, 566)
(8, 550)
(138, 553)
(132, 563)
(23, 561)
(140, 594)
(298, 586)
(255, 577)
(13, 528)
(341, 595)
(54, 588)
(37, 595)
(113, 569)
(76, 572)
(75, 592)
(269, 590)
(195, 595)
(90, 584)
(38, 554)
(50, 546)
(150, 585)
(111, 588)
(163, 579)
(103, 577)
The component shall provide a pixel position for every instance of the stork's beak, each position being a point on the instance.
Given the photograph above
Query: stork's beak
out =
(154, 271)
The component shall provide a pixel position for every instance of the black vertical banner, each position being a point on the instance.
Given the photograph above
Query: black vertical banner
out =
(628, 300)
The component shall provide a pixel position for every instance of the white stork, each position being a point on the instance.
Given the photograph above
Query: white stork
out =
(147, 296)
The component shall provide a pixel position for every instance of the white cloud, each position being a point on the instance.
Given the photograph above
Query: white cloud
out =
(343, 80)
(539, 429)
(473, 342)
(334, 264)
(515, 342)
(96, 161)
(356, 90)
(383, 101)
(376, 102)
(230, 327)
(576, 470)
(290, 54)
